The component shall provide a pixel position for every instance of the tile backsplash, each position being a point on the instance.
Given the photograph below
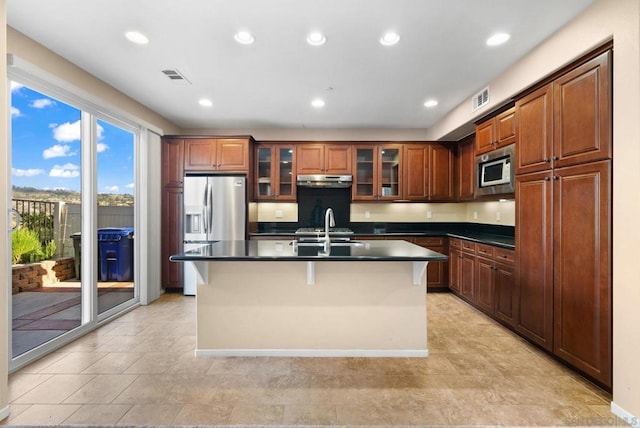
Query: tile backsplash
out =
(499, 213)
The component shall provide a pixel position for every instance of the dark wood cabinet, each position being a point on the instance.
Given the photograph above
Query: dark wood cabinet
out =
(275, 172)
(582, 268)
(216, 154)
(563, 230)
(582, 113)
(467, 276)
(563, 217)
(416, 172)
(172, 188)
(441, 172)
(496, 132)
(535, 131)
(378, 172)
(534, 241)
(437, 272)
(172, 162)
(485, 284)
(171, 236)
(505, 296)
(455, 259)
(323, 159)
(465, 170)
(428, 172)
(568, 121)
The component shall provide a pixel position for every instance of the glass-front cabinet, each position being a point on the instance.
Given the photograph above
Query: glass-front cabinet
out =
(377, 173)
(275, 172)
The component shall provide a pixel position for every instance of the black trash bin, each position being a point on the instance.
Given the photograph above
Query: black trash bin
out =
(76, 251)
(115, 245)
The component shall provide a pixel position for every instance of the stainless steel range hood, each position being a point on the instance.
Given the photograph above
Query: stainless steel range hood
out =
(322, 180)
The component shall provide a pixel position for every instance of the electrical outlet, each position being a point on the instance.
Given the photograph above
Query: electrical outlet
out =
(279, 214)
(367, 214)
(475, 215)
(498, 216)
(429, 214)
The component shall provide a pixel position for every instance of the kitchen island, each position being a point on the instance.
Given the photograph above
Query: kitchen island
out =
(283, 298)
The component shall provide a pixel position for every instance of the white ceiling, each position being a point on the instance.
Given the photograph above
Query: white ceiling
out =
(441, 54)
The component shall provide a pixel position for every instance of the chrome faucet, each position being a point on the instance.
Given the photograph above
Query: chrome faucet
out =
(329, 221)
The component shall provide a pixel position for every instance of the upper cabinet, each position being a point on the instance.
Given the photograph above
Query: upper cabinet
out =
(428, 172)
(568, 121)
(216, 154)
(323, 159)
(465, 175)
(499, 131)
(275, 172)
(172, 162)
(378, 172)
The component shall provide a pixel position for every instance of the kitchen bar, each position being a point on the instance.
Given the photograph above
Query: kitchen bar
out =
(283, 298)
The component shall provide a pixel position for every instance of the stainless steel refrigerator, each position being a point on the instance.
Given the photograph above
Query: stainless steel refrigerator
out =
(214, 210)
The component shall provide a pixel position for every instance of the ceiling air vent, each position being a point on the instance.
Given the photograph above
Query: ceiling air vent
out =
(176, 77)
(480, 99)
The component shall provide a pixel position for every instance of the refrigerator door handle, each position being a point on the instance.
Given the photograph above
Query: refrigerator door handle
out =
(210, 205)
(205, 210)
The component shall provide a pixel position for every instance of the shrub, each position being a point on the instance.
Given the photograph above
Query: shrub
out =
(49, 249)
(26, 246)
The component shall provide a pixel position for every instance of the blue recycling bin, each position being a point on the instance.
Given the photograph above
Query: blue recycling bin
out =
(115, 246)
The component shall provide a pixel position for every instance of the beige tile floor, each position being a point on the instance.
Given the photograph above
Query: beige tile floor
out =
(140, 370)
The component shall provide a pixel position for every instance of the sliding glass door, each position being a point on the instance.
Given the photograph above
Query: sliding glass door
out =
(73, 211)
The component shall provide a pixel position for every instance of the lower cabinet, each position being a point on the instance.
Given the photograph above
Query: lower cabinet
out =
(484, 276)
(437, 272)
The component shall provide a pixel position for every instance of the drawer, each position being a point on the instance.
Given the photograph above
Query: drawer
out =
(455, 243)
(504, 255)
(469, 247)
(485, 250)
(429, 241)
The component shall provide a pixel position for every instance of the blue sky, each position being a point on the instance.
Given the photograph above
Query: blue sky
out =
(45, 149)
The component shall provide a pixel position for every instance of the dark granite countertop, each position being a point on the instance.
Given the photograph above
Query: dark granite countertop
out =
(284, 250)
(500, 236)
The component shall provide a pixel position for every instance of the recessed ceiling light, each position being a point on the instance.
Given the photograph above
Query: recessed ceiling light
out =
(316, 39)
(389, 38)
(244, 37)
(430, 103)
(498, 39)
(317, 103)
(136, 37)
(205, 102)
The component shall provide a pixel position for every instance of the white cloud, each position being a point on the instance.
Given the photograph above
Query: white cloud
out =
(67, 170)
(100, 133)
(130, 185)
(58, 151)
(15, 86)
(15, 112)
(42, 103)
(111, 188)
(67, 132)
(102, 147)
(26, 172)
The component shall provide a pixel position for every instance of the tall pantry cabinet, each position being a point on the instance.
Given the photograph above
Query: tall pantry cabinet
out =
(563, 216)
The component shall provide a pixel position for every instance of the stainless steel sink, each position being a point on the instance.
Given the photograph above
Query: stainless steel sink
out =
(333, 244)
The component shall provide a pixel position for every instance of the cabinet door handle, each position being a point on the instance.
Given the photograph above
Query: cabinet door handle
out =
(547, 160)
(555, 177)
(554, 158)
(547, 179)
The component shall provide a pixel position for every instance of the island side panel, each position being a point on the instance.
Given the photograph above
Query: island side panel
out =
(354, 308)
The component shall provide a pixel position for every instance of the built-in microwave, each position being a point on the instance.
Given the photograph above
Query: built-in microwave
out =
(495, 172)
